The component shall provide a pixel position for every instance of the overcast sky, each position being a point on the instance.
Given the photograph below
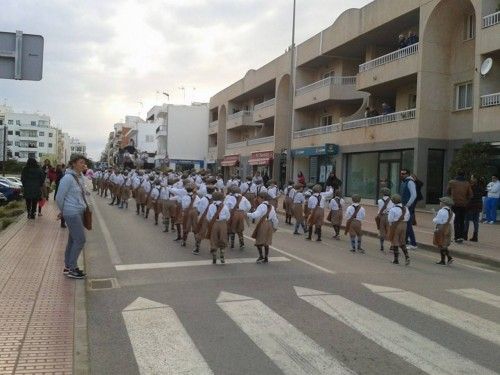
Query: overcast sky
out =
(102, 58)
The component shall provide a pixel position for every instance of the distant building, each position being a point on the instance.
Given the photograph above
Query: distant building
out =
(181, 135)
(78, 147)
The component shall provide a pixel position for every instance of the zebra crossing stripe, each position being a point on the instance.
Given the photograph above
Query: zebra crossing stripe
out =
(160, 343)
(468, 322)
(421, 352)
(291, 350)
(478, 295)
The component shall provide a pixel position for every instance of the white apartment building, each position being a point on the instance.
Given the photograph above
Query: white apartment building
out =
(78, 147)
(181, 135)
(28, 134)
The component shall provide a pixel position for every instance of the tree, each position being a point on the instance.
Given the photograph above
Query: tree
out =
(473, 159)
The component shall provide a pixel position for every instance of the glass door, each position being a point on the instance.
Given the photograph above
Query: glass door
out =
(389, 175)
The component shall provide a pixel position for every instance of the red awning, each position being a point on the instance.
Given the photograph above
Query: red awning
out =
(230, 160)
(261, 158)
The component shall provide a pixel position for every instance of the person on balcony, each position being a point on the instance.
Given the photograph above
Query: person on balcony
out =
(402, 42)
(386, 109)
(412, 38)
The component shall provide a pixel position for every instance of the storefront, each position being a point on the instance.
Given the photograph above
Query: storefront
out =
(181, 165)
(315, 163)
(262, 162)
(230, 165)
(366, 173)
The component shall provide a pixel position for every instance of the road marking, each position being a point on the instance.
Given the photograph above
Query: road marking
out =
(478, 295)
(110, 244)
(323, 269)
(468, 322)
(421, 352)
(460, 263)
(160, 342)
(189, 263)
(291, 350)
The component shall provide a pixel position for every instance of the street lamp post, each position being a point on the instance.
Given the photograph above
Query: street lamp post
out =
(292, 95)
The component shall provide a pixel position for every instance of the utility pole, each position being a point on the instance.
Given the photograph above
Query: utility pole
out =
(292, 95)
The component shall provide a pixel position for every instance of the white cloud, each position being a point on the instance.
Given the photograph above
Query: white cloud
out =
(102, 57)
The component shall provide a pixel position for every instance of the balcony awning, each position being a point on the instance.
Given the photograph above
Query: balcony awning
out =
(230, 160)
(261, 158)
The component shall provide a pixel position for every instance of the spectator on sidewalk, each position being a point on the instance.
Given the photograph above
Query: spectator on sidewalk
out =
(474, 208)
(33, 179)
(60, 170)
(301, 178)
(408, 193)
(491, 202)
(70, 200)
(461, 192)
(333, 181)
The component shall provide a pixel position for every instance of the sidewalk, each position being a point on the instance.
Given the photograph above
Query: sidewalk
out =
(37, 302)
(486, 251)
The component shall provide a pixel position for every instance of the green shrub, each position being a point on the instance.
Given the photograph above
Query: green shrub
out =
(14, 205)
(6, 223)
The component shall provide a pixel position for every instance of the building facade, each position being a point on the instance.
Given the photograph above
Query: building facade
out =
(181, 135)
(78, 147)
(391, 85)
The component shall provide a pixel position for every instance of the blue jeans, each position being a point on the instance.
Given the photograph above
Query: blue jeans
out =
(410, 234)
(491, 209)
(76, 240)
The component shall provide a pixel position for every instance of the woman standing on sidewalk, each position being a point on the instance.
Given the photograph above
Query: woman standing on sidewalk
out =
(71, 201)
(32, 178)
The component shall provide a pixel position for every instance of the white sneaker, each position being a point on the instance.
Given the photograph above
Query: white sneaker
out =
(411, 247)
(492, 222)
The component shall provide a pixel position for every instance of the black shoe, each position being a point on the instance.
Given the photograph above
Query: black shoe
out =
(65, 270)
(382, 249)
(450, 261)
(75, 275)
(196, 252)
(296, 232)
(80, 271)
(459, 240)
(308, 238)
(353, 250)
(318, 239)
(407, 261)
(441, 262)
(395, 262)
(178, 239)
(222, 260)
(361, 250)
(165, 230)
(473, 239)
(259, 260)
(214, 260)
(265, 260)
(183, 243)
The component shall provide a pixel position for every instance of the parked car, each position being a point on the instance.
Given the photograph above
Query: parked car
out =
(15, 180)
(3, 199)
(10, 191)
(11, 181)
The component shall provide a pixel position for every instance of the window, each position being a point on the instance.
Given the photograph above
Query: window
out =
(10, 122)
(9, 143)
(33, 123)
(41, 134)
(50, 145)
(17, 143)
(18, 122)
(50, 135)
(1, 122)
(16, 154)
(326, 120)
(470, 27)
(463, 96)
(18, 133)
(40, 144)
(72, 148)
(40, 154)
(10, 132)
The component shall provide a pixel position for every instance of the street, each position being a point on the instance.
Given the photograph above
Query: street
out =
(316, 308)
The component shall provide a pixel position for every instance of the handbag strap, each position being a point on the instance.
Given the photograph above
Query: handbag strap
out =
(81, 188)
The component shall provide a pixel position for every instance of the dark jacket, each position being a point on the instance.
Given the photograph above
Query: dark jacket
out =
(32, 179)
(476, 202)
(460, 191)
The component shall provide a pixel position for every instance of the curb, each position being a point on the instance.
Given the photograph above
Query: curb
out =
(81, 355)
(456, 253)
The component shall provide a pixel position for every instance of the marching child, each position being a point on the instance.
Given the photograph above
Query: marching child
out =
(316, 204)
(266, 225)
(238, 206)
(335, 214)
(298, 200)
(354, 215)
(202, 226)
(384, 206)
(398, 217)
(442, 233)
(218, 215)
(288, 202)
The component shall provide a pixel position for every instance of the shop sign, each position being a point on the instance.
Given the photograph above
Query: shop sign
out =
(331, 149)
(308, 151)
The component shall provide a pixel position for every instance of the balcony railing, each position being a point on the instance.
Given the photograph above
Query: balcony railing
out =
(393, 56)
(213, 124)
(230, 146)
(378, 120)
(490, 100)
(259, 141)
(267, 103)
(348, 80)
(239, 114)
(315, 131)
(491, 19)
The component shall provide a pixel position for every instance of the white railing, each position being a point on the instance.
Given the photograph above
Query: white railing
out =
(213, 124)
(230, 146)
(258, 141)
(396, 55)
(491, 19)
(161, 128)
(348, 80)
(267, 103)
(490, 100)
(378, 120)
(315, 131)
(212, 153)
(239, 114)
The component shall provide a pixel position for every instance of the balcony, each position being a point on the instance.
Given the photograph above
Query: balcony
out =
(264, 110)
(379, 120)
(161, 130)
(241, 119)
(490, 100)
(212, 153)
(317, 131)
(231, 146)
(251, 145)
(491, 20)
(260, 141)
(331, 88)
(213, 127)
(394, 65)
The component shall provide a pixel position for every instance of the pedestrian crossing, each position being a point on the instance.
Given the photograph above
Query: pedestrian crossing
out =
(161, 344)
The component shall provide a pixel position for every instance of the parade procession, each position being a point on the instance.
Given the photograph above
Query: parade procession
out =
(218, 211)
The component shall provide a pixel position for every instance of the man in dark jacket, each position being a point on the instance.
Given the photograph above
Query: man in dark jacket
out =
(33, 179)
(461, 192)
(408, 192)
(333, 181)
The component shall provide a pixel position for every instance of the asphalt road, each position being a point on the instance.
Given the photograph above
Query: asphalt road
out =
(316, 309)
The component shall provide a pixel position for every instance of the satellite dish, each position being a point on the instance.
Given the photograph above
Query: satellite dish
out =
(486, 66)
